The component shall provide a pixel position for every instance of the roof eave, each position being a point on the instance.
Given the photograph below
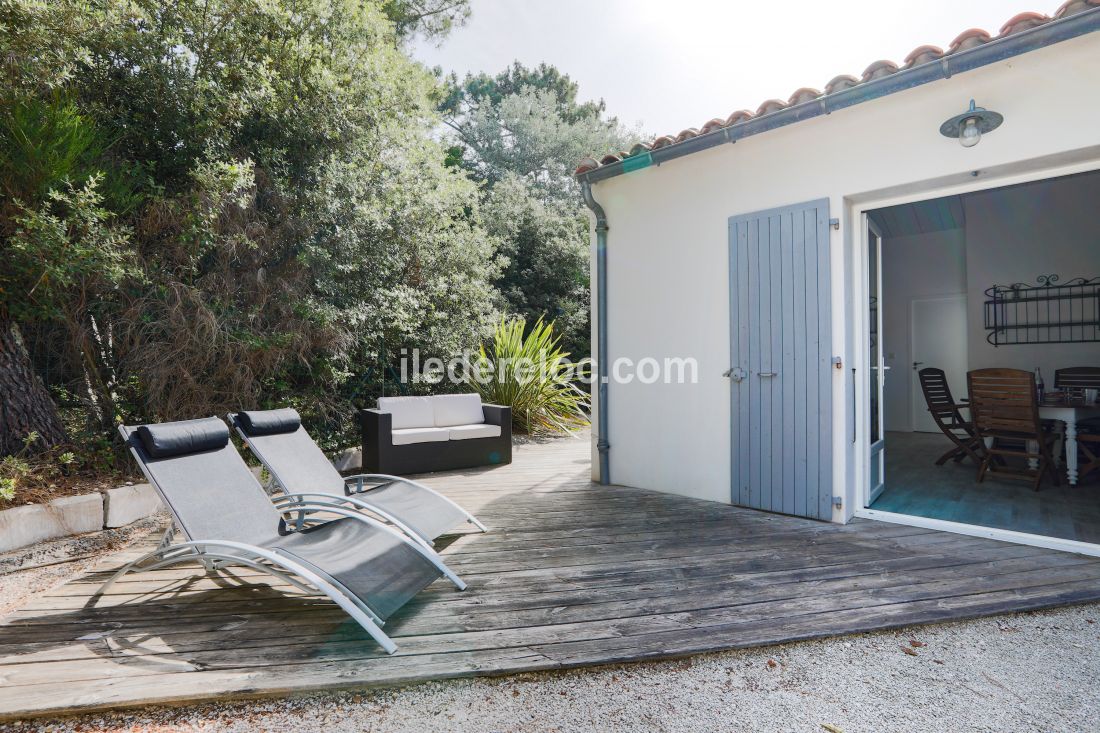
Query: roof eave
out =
(996, 50)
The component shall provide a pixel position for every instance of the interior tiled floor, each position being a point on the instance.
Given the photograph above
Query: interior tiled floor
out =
(916, 485)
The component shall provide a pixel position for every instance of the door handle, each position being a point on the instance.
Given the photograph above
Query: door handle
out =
(766, 374)
(917, 364)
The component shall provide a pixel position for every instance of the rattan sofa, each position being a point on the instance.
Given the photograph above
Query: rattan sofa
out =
(405, 435)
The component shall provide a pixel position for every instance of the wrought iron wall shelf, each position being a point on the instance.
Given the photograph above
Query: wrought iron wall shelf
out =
(1049, 312)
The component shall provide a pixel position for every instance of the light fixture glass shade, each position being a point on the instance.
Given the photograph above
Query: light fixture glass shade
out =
(970, 134)
(969, 126)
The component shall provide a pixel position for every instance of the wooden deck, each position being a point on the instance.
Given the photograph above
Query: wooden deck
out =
(571, 574)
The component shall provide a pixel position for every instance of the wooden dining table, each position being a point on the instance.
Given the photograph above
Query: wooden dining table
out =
(1069, 415)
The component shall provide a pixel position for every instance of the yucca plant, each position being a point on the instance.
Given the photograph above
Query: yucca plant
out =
(532, 375)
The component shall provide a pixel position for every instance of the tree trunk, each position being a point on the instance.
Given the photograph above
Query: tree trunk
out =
(25, 404)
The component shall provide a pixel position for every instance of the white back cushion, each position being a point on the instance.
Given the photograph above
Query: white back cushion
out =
(458, 409)
(408, 412)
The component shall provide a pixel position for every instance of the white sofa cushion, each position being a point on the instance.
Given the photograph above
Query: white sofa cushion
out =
(465, 432)
(458, 409)
(408, 412)
(406, 436)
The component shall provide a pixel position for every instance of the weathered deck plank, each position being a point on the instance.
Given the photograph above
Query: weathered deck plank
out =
(571, 574)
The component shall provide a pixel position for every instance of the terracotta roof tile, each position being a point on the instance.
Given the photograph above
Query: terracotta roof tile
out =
(840, 83)
(805, 94)
(969, 39)
(712, 125)
(739, 116)
(587, 164)
(771, 105)
(1022, 22)
(921, 55)
(1073, 7)
(879, 69)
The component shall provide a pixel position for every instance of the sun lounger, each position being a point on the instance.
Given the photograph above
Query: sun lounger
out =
(226, 518)
(301, 470)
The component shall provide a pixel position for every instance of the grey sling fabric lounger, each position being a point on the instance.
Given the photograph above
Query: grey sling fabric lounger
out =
(300, 468)
(365, 566)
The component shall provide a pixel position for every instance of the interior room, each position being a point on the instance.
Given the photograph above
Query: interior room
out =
(1006, 278)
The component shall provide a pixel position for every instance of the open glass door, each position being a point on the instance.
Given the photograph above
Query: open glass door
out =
(877, 371)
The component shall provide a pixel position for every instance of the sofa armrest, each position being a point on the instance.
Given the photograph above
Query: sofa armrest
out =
(377, 428)
(380, 423)
(499, 415)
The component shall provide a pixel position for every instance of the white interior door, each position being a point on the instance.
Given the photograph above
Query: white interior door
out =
(938, 329)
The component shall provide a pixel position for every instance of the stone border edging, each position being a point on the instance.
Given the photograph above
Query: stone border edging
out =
(26, 525)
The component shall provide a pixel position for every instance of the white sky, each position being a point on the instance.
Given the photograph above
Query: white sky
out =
(665, 65)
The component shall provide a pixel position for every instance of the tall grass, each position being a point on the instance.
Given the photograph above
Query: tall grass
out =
(531, 374)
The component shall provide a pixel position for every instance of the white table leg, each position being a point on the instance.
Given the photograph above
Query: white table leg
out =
(1071, 451)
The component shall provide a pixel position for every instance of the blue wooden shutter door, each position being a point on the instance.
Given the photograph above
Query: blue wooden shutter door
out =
(781, 352)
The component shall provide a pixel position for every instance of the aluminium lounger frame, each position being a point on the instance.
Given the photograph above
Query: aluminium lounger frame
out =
(290, 501)
(215, 554)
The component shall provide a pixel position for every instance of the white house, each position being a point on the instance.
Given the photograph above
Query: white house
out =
(799, 252)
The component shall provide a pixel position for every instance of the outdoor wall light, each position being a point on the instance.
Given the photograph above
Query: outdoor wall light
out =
(969, 126)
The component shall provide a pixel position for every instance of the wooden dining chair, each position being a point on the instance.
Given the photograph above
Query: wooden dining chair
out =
(1005, 411)
(1089, 444)
(948, 418)
(1082, 377)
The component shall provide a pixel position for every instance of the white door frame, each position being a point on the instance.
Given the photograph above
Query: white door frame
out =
(876, 450)
(916, 397)
(861, 472)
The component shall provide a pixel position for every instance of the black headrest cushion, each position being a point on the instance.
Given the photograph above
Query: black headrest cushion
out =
(269, 422)
(186, 436)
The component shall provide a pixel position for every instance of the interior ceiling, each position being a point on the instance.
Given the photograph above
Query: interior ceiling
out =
(920, 217)
(1076, 192)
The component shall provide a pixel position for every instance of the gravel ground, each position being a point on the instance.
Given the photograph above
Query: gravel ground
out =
(35, 569)
(1022, 672)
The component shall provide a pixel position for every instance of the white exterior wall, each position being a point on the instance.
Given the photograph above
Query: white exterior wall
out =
(668, 269)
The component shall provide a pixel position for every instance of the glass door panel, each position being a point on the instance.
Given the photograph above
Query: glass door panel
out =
(876, 372)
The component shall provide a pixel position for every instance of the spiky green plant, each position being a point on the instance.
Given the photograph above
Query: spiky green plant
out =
(531, 374)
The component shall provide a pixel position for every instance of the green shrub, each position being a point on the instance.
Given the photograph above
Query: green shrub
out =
(7, 488)
(15, 469)
(532, 375)
(26, 472)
